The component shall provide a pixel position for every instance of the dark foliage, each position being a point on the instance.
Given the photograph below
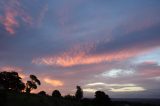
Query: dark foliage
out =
(11, 81)
(56, 94)
(30, 85)
(87, 102)
(79, 93)
(42, 93)
(3, 96)
(101, 99)
(70, 97)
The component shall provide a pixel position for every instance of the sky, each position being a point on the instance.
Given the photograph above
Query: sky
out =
(107, 45)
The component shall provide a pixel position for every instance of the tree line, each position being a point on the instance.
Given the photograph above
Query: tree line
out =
(11, 81)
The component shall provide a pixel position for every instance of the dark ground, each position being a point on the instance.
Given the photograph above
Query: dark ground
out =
(23, 99)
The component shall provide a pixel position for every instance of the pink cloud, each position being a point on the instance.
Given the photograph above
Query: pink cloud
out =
(11, 68)
(148, 70)
(80, 55)
(12, 11)
(10, 21)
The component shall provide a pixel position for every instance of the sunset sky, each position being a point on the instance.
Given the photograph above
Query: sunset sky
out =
(108, 45)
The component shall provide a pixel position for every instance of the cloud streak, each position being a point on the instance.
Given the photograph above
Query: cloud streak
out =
(10, 21)
(128, 89)
(113, 87)
(11, 68)
(13, 11)
(55, 83)
(114, 50)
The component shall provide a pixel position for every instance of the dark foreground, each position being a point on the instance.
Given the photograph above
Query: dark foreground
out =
(23, 99)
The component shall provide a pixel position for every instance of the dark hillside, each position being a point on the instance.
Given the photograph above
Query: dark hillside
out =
(23, 99)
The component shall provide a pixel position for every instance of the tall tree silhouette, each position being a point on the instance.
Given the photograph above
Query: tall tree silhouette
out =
(56, 93)
(79, 93)
(30, 85)
(11, 81)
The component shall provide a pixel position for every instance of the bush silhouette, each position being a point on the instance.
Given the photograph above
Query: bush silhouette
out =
(42, 93)
(56, 94)
(79, 93)
(11, 81)
(101, 98)
(30, 85)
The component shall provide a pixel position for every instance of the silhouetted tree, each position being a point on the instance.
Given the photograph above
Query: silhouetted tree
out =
(100, 95)
(56, 94)
(79, 93)
(101, 99)
(11, 81)
(30, 85)
(42, 93)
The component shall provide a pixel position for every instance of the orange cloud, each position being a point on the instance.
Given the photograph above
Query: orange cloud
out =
(23, 76)
(81, 57)
(54, 83)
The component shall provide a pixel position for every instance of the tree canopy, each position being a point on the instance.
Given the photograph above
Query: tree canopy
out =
(56, 93)
(101, 99)
(11, 81)
(30, 85)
